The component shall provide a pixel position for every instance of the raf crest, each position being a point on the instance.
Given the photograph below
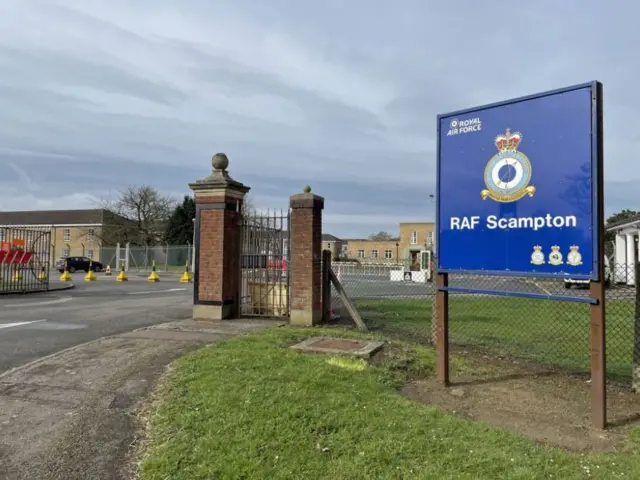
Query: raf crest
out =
(555, 257)
(537, 257)
(508, 172)
(574, 258)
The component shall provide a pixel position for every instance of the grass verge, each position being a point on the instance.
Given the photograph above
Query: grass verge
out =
(249, 408)
(549, 332)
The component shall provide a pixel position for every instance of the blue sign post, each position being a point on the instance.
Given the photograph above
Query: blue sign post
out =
(519, 192)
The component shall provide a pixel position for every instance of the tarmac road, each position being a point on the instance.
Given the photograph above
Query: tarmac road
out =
(36, 325)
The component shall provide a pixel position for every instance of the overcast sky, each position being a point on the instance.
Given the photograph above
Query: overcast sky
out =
(342, 95)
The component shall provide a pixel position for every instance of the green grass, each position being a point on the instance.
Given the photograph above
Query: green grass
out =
(250, 408)
(551, 332)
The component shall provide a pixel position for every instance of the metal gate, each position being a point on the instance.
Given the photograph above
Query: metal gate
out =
(24, 259)
(264, 265)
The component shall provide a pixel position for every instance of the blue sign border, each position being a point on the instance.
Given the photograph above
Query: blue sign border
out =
(595, 89)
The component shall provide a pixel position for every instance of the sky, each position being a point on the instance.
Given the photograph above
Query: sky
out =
(341, 95)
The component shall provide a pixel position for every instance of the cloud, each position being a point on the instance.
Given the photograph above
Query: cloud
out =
(340, 95)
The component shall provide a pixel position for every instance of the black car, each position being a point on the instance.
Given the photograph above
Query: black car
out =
(75, 264)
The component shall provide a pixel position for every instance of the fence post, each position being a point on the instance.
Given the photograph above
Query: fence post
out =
(306, 258)
(635, 374)
(127, 253)
(326, 286)
(216, 280)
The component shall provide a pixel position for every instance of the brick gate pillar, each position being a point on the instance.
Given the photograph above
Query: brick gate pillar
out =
(306, 258)
(216, 282)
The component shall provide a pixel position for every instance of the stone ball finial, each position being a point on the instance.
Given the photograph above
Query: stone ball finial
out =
(306, 189)
(220, 161)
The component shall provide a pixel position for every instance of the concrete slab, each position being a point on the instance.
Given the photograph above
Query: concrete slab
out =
(339, 346)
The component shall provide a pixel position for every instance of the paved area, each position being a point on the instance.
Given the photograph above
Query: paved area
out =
(35, 325)
(72, 415)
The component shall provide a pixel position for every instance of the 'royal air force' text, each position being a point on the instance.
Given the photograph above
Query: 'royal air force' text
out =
(493, 222)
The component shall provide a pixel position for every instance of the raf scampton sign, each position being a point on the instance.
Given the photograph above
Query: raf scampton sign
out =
(517, 186)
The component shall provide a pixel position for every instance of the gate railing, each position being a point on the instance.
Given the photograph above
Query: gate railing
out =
(264, 262)
(24, 259)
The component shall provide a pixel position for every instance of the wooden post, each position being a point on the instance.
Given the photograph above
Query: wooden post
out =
(635, 368)
(597, 291)
(442, 329)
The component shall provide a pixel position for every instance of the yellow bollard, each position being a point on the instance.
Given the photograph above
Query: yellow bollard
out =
(153, 276)
(122, 276)
(186, 276)
(43, 274)
(17, 274)
(91, 275)
(66, 276)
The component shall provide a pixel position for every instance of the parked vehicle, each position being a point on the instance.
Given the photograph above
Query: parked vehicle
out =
(78, 264)
(569, 282)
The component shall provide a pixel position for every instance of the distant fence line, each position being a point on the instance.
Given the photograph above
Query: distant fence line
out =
(166, 257)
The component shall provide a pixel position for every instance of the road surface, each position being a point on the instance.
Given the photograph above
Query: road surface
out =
(36, 325)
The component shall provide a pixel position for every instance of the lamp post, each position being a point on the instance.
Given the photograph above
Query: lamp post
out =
(398, 253)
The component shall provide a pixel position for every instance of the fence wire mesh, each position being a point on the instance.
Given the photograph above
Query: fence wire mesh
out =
(167, 258)
(543, 331)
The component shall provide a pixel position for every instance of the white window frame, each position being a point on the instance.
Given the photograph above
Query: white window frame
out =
(360, 253)
(91, 233)
(66, 252)
(3, 235)
(66, 235)
(388, 254)
(90, 253)
(374, 253)
(429, 238)
(414, 238)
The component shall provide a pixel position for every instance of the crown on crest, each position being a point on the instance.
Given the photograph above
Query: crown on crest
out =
(574, 248)
(508, 140)
(555, 248)
(537, 248)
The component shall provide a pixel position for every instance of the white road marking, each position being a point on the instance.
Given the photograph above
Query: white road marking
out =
(537, 285)
(17, 324)
(37, 304)
(157, 291)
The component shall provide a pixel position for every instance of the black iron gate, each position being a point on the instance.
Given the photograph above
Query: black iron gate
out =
(264, 264)
(24, 259)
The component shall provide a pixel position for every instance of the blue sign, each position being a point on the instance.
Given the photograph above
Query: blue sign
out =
(517, 186)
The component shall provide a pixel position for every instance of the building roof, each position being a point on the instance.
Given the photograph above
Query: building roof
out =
(628, 222)
(327, 237)
(54, 217)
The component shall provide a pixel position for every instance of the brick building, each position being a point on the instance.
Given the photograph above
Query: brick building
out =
(412, 239)
(73, 232)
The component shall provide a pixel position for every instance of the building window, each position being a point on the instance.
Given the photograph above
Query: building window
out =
(90, 253)
(374, 253)
(429, 238)
(329, 246)
(67, 235)
(388, 254)
(65, 252)
(414, 238)
(90, 234)
(360, 253)
(2, 235)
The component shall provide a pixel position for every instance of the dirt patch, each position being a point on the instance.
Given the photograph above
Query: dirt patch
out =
(545, 405)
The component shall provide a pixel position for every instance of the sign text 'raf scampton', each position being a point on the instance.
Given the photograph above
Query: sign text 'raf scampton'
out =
(493, 222)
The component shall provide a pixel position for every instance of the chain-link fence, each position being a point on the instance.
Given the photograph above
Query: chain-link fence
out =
(542, 331)
(167, 258)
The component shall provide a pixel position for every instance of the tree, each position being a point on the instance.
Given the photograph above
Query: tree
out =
(180, 225)
(381, 237)
(143, 211)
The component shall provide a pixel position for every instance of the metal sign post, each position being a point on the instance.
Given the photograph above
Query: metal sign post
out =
(522, 182)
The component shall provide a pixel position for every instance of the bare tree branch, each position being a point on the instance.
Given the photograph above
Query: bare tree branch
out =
(140, 214)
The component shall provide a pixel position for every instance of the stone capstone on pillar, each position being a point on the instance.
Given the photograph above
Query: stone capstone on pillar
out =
(216, 282)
